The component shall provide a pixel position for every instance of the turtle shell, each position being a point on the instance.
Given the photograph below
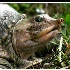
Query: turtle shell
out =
(8, 19)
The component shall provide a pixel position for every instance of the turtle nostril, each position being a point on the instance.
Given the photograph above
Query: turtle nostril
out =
(61, 20)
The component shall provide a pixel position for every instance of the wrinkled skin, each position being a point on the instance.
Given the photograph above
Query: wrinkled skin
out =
(31, 34)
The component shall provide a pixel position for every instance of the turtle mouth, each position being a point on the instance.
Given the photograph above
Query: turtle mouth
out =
(47, 33)
(51, 27)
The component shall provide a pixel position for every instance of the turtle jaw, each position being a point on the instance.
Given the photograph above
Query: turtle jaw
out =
(47, 34)
(45, 31)
(47, 37)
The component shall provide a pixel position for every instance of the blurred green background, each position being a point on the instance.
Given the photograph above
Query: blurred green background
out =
(53, 9)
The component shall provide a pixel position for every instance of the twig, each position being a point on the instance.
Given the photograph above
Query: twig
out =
(59, 49)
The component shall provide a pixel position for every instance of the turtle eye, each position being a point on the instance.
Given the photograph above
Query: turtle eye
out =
(38, 19)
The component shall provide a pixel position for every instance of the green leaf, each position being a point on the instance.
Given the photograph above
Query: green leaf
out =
(67, 19)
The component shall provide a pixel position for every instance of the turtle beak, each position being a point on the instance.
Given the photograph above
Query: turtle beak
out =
(48, 36)
(45, 31)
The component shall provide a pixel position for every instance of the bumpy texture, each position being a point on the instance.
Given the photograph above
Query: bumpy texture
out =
(8, 19)
(20, 38)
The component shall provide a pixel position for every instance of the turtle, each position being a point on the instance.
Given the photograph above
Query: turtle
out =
(20, 37)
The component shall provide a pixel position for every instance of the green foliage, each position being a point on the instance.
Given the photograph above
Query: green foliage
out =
(27, 8)
(67, 19)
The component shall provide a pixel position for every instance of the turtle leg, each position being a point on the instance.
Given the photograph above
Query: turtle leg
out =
(4, 64)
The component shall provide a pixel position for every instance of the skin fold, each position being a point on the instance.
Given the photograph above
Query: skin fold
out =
(34, 33)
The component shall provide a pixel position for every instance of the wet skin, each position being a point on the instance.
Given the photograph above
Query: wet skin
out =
(31, 34)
